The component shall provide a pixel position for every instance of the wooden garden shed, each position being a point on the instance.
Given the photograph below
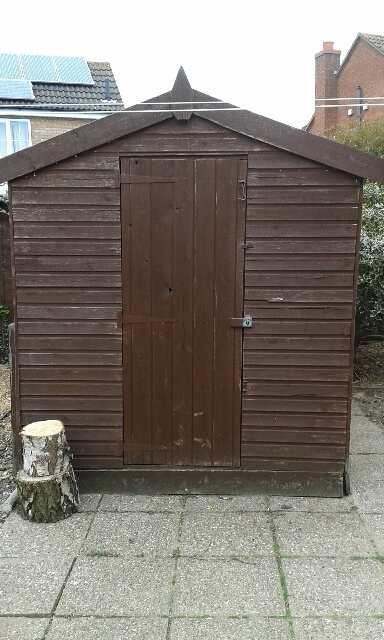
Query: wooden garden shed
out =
(184, 280)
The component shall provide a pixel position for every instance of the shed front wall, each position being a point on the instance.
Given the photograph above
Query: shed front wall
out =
(301, 243)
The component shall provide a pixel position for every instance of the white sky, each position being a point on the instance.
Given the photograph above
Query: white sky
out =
(257, 54)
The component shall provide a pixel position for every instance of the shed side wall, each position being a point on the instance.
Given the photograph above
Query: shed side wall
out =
(301, 225)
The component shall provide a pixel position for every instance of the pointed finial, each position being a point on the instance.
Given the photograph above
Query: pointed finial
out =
(181, 91)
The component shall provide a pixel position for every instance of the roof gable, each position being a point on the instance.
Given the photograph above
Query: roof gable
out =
(167, 106)
(376, 42)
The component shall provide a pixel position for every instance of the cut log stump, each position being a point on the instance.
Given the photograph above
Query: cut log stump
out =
(47, 488)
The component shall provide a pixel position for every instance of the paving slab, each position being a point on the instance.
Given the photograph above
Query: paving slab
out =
(314, 505)
(345, 629)
(118, 587)
(222, 534)
(21, 538)
(23, 628)
(228, 588)
(375, 526)
(227, 629)
(31, 586)
(127, 502)
(134, 534)
(91, 628)
(226, 503)
(334, 586)
(356, 409)
(322, 534)
(89, 501)
(366, 436)
(367, 482)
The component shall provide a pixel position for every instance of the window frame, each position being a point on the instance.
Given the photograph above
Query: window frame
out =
(8, 135)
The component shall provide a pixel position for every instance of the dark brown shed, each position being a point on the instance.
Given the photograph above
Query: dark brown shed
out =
(139, 243)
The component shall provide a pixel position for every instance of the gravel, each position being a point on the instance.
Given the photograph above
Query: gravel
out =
(7, 484)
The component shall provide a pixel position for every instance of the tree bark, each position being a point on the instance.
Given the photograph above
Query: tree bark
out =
(47, 499)
(45, 448)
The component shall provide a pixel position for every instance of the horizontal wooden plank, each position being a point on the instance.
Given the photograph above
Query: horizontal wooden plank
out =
(69, 296)
(319, 264)
(301, 229)
(288, 246)
(303, 195)
(50, 403)
(276, 159)
(299, 312)
(301, 390)
(61, 213)
(300, 436)
(65, 178)
(54, 358)
(68, 312)
(321, 374)
(308, 212)
(43, 195)
(184, 144)
(86, 279)
(315, 421)
(292, 177)
(283, 294)
(63, 248)
(75, 433)
(286, 359)
(71, 389)
(281, 464)
(59, 231)
(305, 343)
(101, 462)
(95, 448)
(70, 328)
(299, 327)
(76, 343)
(296, 450)
(297, 405)
(84, 264)
(75, 419)
(311, 279)
(94, 159)
(78, 374)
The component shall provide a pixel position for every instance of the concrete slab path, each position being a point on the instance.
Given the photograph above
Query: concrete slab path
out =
(205, 567)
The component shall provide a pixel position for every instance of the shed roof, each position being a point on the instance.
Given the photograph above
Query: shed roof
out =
(181, 102)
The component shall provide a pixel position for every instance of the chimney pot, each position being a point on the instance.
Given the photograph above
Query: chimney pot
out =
(328, 47)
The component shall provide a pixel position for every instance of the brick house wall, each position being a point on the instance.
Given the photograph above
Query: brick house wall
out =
(363, 68)
(45, 128)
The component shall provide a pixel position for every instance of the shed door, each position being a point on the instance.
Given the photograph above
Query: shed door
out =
(182, 260)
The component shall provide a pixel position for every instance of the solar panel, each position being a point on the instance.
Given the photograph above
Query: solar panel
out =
(73, 70)
(10, 67)
(39, 68)
(59, 69)
(16, 90)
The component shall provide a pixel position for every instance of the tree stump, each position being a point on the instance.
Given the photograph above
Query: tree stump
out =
(47, 488)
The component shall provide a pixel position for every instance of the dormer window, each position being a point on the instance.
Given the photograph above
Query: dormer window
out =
(14, 135)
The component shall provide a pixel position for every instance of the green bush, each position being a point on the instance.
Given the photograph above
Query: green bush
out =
(4, 204)
(369, 320)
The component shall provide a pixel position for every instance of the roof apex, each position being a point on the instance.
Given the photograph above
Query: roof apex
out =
(182, 92)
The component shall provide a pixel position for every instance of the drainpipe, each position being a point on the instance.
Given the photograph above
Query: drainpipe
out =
(10, 501)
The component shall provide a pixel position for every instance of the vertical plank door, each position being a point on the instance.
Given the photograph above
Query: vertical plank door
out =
(183, 224)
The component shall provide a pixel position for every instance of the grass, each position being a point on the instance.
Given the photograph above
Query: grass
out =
(99, 553)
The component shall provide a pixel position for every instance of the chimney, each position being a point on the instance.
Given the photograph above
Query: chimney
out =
(327, 63)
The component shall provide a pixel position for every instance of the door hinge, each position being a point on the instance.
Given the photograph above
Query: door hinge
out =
(244, 386)
(244, 323)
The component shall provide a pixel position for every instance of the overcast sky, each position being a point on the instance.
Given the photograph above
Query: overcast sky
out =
(256, 54)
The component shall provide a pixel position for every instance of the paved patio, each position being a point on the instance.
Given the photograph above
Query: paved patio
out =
(204, 567)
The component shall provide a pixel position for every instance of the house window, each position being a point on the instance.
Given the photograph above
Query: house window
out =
(14, 135)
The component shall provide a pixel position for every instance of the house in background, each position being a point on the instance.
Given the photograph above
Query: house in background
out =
(356, 86)
(42, 96)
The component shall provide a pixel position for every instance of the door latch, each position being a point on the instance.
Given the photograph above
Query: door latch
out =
(242, 190)
(244, 323)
